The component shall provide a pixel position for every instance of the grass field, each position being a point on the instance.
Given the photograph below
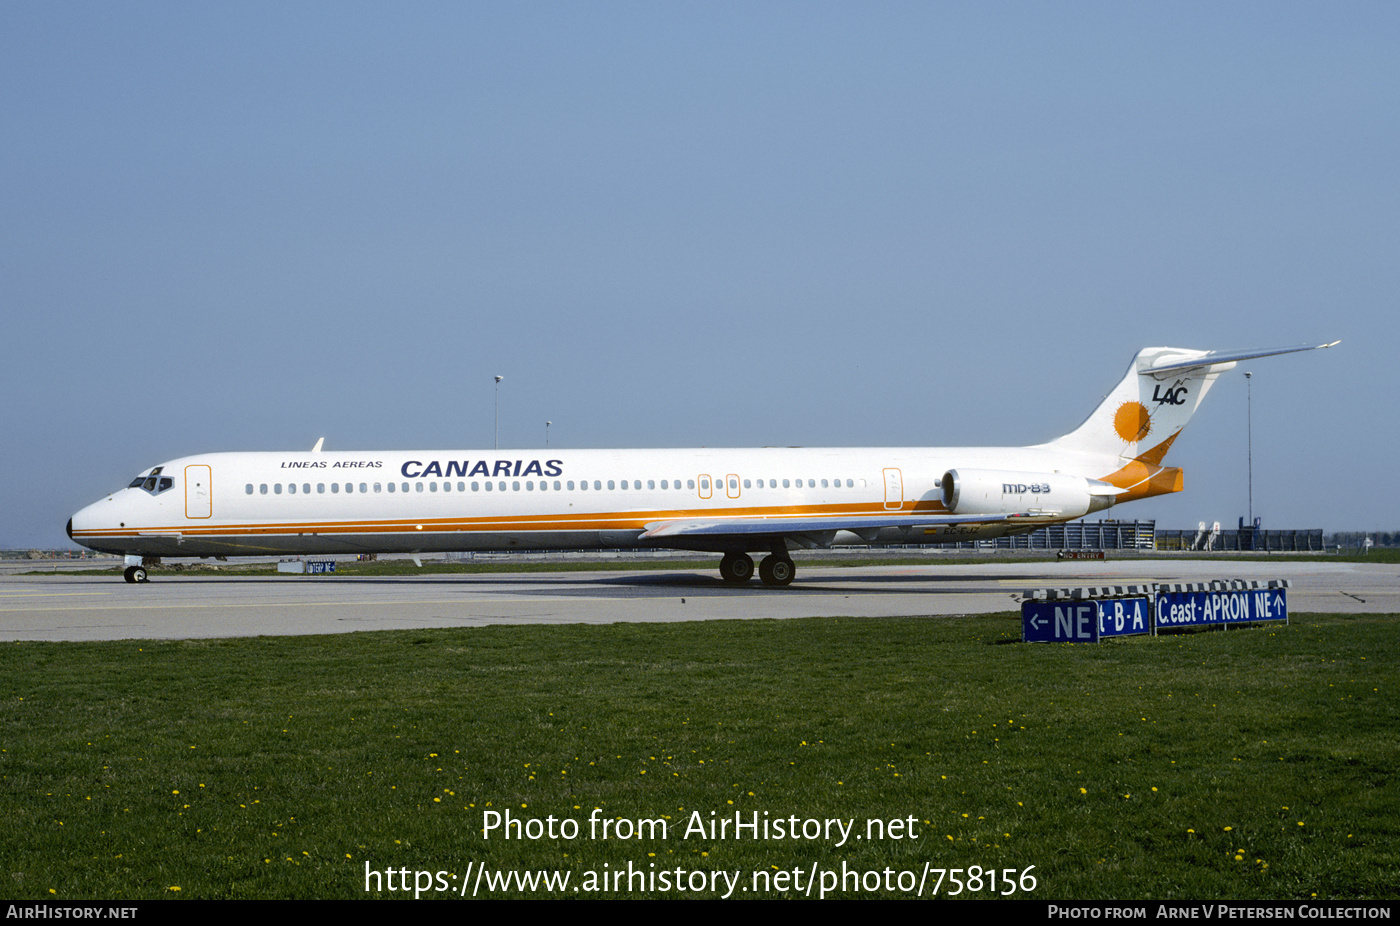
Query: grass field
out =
(1253, 764)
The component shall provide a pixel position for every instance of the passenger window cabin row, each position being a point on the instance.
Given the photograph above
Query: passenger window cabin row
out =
(544, 485)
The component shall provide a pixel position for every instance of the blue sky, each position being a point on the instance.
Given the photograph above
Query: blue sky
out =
(247, 226)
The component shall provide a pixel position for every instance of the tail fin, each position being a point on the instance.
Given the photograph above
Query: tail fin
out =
(1133, 427)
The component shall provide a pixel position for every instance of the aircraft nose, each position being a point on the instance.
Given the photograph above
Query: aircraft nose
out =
(85, 522)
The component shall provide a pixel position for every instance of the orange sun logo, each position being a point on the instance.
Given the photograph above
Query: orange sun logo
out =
(1132, 421)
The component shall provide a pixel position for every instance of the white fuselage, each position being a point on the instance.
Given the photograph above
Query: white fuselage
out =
(238, 504)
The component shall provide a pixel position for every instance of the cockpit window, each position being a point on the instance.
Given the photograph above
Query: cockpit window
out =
(155, 483)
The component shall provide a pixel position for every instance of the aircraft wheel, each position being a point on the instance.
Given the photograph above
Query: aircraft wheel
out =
(777, 571)
(135, 574)
(736, 568)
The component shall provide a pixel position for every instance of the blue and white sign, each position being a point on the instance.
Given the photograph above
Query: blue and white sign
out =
(1124, 616)
(1201, 609)
(317, 567)
(1083, 621)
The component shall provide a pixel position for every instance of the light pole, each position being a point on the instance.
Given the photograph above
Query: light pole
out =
(1249, 437)
(546, 434)
(496, 441)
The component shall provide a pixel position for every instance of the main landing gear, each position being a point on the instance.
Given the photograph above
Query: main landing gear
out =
(135, 574)
(736, 568)
(776, 570)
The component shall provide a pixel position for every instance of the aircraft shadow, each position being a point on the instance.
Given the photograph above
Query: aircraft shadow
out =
(571, 583)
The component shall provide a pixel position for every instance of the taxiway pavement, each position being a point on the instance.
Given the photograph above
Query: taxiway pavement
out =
(172, 606)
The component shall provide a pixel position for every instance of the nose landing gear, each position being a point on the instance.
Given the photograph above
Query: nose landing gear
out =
(136, 567)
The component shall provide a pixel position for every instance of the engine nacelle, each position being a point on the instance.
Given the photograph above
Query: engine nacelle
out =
(991, 491)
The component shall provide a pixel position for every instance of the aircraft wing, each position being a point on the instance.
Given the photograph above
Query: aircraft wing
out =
(814, 527)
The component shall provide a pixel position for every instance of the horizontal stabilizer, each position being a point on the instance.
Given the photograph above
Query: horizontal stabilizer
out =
(1217, 357)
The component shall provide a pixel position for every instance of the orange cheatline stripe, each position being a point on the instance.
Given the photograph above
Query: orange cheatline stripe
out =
(544, 522)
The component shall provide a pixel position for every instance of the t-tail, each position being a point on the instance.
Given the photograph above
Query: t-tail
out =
(1130, 432)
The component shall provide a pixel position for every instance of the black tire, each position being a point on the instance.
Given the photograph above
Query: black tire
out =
(736, 568)
(777, 571)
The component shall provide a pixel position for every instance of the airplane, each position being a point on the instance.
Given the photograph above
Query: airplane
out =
(728, 501)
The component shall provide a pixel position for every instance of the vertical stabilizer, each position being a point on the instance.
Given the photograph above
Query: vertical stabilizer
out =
(1133, 428)
(1146, 410)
